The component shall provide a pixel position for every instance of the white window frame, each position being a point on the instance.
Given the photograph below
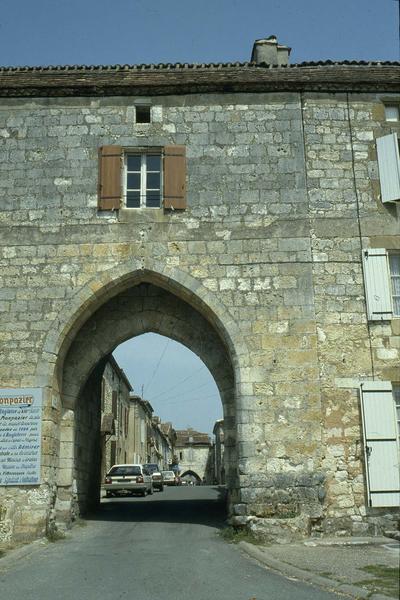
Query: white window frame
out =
(396, 398)
(393, 277)
(392, 113)
(143, 177)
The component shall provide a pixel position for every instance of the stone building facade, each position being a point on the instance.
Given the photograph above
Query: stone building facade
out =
(193, 451)
(115, 416)
(162, 450)
(260, 258)
(140, 424)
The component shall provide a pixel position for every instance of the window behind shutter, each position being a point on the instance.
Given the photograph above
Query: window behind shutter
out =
(175, 177)
(377, 284)
(114, 407)
(389, 167)
(113, 452)
(110, 168)
(380, 443)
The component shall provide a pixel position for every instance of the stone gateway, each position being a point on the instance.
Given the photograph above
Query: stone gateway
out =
(249, 211)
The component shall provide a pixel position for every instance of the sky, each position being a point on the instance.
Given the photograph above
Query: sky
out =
(45, 32)
(84, 32)
(176, 382)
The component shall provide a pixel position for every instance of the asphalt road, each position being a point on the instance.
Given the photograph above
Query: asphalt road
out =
(163, 547)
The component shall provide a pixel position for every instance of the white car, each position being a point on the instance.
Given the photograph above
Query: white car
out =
(128, 479)
(169, 478)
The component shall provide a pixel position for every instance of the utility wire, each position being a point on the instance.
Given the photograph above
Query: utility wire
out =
(190, 400)
(158, 364)
(191, 390)
(177, 384)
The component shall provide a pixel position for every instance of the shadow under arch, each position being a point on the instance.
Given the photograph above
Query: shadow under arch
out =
(143, 302)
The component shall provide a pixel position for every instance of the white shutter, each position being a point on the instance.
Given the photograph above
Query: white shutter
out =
(377, 284)
(387, 148)
(380, 443)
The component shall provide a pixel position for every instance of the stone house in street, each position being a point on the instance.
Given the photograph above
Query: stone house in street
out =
(247, 210)
(115, 409)
(151, 441)
(193, 450)
(140, 417)
(170, 435)
(162, 448)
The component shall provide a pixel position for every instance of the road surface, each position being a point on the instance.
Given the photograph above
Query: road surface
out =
(162, 547)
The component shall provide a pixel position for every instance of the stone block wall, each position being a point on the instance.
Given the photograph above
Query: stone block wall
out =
(282, 196)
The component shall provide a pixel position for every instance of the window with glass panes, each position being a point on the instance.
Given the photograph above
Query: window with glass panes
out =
(394, 264)
(143, 180)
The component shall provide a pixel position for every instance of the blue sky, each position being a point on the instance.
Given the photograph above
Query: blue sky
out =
(46, 32)
(177, 384)
(43, 32)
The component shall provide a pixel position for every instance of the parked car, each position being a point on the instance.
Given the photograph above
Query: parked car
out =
(156, 475)
(169, 478)
(128, 479)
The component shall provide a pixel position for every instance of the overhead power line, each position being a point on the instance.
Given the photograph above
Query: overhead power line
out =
(199, 399)
(158, 364)
(177, 384)
(186, 393)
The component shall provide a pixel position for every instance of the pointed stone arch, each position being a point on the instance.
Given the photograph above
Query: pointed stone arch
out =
(191, 473)
(84, 302)
(135, 298)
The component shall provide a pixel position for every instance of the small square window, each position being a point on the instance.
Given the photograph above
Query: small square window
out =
(143, 180)
(143, 114)
(392, 112)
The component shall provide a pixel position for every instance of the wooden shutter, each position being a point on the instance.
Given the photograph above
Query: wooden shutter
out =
(377, 284)
(387, 148)
(113, 452)
(110, 174)
(114, 408)
(174, 183)
(380, 443)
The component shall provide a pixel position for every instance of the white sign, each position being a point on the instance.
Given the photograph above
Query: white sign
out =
(20, 436)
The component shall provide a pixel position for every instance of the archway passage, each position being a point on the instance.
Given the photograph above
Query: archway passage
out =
(143, 308)
(191, 476)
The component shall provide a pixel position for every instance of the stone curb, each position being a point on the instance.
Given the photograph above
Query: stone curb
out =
(291, 571)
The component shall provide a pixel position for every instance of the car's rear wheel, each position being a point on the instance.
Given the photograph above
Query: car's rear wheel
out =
(108, 494)
(162, 488)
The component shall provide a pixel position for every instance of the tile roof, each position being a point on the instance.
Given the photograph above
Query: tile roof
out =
(183, 78)
(160, 66)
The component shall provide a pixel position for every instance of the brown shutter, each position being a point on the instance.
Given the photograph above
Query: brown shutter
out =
(110, 167)
(175, 177)
(113, 453)
(114, 408)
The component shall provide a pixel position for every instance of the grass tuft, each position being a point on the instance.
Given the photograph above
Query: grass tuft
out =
(385, 580)
(55, 535)
(234, 535)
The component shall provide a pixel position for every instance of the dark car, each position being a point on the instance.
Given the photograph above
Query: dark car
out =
(154, 470)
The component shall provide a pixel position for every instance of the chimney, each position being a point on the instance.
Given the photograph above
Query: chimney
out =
(270, 52)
